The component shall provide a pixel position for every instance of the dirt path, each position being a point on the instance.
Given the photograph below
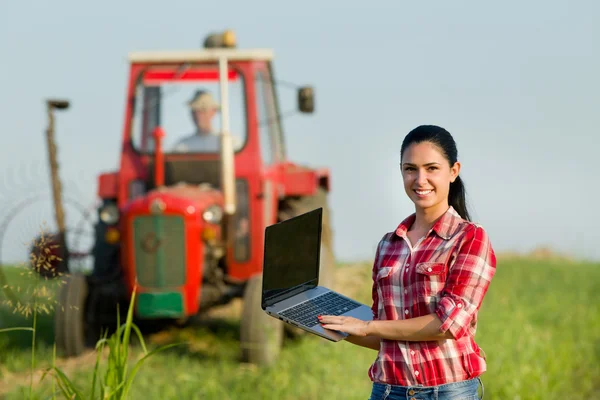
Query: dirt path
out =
(11, 380)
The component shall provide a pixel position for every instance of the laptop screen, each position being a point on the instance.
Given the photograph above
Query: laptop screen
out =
(291, 257)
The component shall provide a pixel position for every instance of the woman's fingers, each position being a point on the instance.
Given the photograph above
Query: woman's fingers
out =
(349, 325)
(331, 319)
(331, 322)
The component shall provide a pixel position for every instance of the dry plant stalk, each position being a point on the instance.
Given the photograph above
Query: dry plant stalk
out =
(31, 295)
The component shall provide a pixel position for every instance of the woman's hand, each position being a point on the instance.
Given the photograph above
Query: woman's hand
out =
(350, 325)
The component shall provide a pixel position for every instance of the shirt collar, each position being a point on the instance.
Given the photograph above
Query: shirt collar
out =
(445, 227)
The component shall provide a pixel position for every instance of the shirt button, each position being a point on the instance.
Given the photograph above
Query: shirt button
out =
(405, 311)
(429, 269)
(405, 291)
(412, 352)
(459, 305)
(417, 373)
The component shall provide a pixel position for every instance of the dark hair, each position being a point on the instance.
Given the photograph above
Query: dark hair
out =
(444, 140)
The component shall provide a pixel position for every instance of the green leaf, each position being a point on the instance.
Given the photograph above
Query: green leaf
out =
(15, 329)
(138, 364)
(68, 384)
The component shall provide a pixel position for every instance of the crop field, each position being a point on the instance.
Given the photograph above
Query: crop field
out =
(539, 326)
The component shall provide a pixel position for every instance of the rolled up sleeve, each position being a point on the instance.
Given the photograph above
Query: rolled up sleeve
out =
(467, 283)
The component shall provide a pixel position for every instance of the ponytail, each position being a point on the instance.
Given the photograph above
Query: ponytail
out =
(457, 198)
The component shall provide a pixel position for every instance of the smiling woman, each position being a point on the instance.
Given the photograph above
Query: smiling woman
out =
(430, 276)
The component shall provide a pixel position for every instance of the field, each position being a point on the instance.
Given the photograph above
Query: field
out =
(540, 329)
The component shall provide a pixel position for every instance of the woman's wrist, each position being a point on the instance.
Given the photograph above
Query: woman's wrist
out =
(369, 331)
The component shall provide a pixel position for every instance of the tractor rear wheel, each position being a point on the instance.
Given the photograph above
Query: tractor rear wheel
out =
(73, 333)
(261, 336)
(295, 207)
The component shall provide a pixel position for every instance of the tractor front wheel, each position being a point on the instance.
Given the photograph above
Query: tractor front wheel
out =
(72, 329)
(261, 336)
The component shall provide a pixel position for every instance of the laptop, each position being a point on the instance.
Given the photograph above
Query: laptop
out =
(290, 285)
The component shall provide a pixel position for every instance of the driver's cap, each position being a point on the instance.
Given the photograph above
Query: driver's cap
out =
(203, 100)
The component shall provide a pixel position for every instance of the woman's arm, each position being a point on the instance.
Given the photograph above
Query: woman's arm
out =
(368, 333)
(423, 328)
(369, 342)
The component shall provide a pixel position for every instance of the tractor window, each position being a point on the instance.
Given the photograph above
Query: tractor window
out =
(188, 108)
(268, 124)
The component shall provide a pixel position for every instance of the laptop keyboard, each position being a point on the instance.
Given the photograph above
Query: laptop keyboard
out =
(326, 304)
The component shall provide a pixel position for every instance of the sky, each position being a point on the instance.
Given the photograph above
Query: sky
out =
(516, 83)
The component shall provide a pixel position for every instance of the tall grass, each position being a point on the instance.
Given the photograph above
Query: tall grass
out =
(35, 297)
(115, 383)
(31, 294)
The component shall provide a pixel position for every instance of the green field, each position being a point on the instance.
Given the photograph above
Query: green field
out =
(540, 329)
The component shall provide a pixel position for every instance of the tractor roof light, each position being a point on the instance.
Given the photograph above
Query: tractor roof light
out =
(224, 39)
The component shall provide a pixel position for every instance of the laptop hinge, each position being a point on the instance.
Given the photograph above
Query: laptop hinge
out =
(289, 293)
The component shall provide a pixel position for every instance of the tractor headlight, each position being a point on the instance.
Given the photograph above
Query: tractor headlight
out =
(213, 214)
(109, 213)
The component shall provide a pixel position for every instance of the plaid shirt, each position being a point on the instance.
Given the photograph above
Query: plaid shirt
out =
(447, 273)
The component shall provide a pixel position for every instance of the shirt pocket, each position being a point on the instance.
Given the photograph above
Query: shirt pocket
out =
(386, 281)
(431, 277)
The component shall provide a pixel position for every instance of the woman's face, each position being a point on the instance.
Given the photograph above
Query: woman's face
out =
(427, 176)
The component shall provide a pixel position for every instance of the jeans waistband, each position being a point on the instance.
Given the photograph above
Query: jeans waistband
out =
(439, 390)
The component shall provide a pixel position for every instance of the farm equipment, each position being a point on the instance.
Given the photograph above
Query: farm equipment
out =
(185, 228)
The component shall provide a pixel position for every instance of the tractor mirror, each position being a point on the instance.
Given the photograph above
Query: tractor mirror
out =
(306, 99)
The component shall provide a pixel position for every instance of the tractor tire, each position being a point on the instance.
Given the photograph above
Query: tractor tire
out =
(73, 335)
(261, 336)
(295, 207)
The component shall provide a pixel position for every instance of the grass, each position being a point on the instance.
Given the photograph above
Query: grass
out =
(539, 327)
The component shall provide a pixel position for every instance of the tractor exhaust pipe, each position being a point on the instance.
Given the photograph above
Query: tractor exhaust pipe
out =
(59, 213)
(227, 159)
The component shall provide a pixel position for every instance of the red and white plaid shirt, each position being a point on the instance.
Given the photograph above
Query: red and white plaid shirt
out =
(447, 273)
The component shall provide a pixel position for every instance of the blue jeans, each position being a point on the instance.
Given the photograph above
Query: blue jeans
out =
(466, 390)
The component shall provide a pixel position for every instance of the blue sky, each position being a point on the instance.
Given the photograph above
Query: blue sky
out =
(516, 84)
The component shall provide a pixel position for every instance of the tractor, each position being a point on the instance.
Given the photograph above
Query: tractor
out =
(184, 225)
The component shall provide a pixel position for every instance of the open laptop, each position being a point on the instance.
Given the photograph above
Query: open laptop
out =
(290, 285)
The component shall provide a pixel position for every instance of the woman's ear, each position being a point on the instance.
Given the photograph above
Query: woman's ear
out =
(454, 171)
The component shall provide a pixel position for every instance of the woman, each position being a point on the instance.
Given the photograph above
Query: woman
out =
(430, 276)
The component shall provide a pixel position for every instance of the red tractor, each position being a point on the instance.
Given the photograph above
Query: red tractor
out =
(182, 220)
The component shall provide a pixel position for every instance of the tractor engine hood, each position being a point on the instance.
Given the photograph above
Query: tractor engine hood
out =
(200, 202)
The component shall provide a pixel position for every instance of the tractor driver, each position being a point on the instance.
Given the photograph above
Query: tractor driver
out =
(205, 139)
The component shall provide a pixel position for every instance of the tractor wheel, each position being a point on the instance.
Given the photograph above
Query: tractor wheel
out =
(73, 333)
(261, 336)
(295, 207)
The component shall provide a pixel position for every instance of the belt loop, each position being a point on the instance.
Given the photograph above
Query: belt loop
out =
(388, 389)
